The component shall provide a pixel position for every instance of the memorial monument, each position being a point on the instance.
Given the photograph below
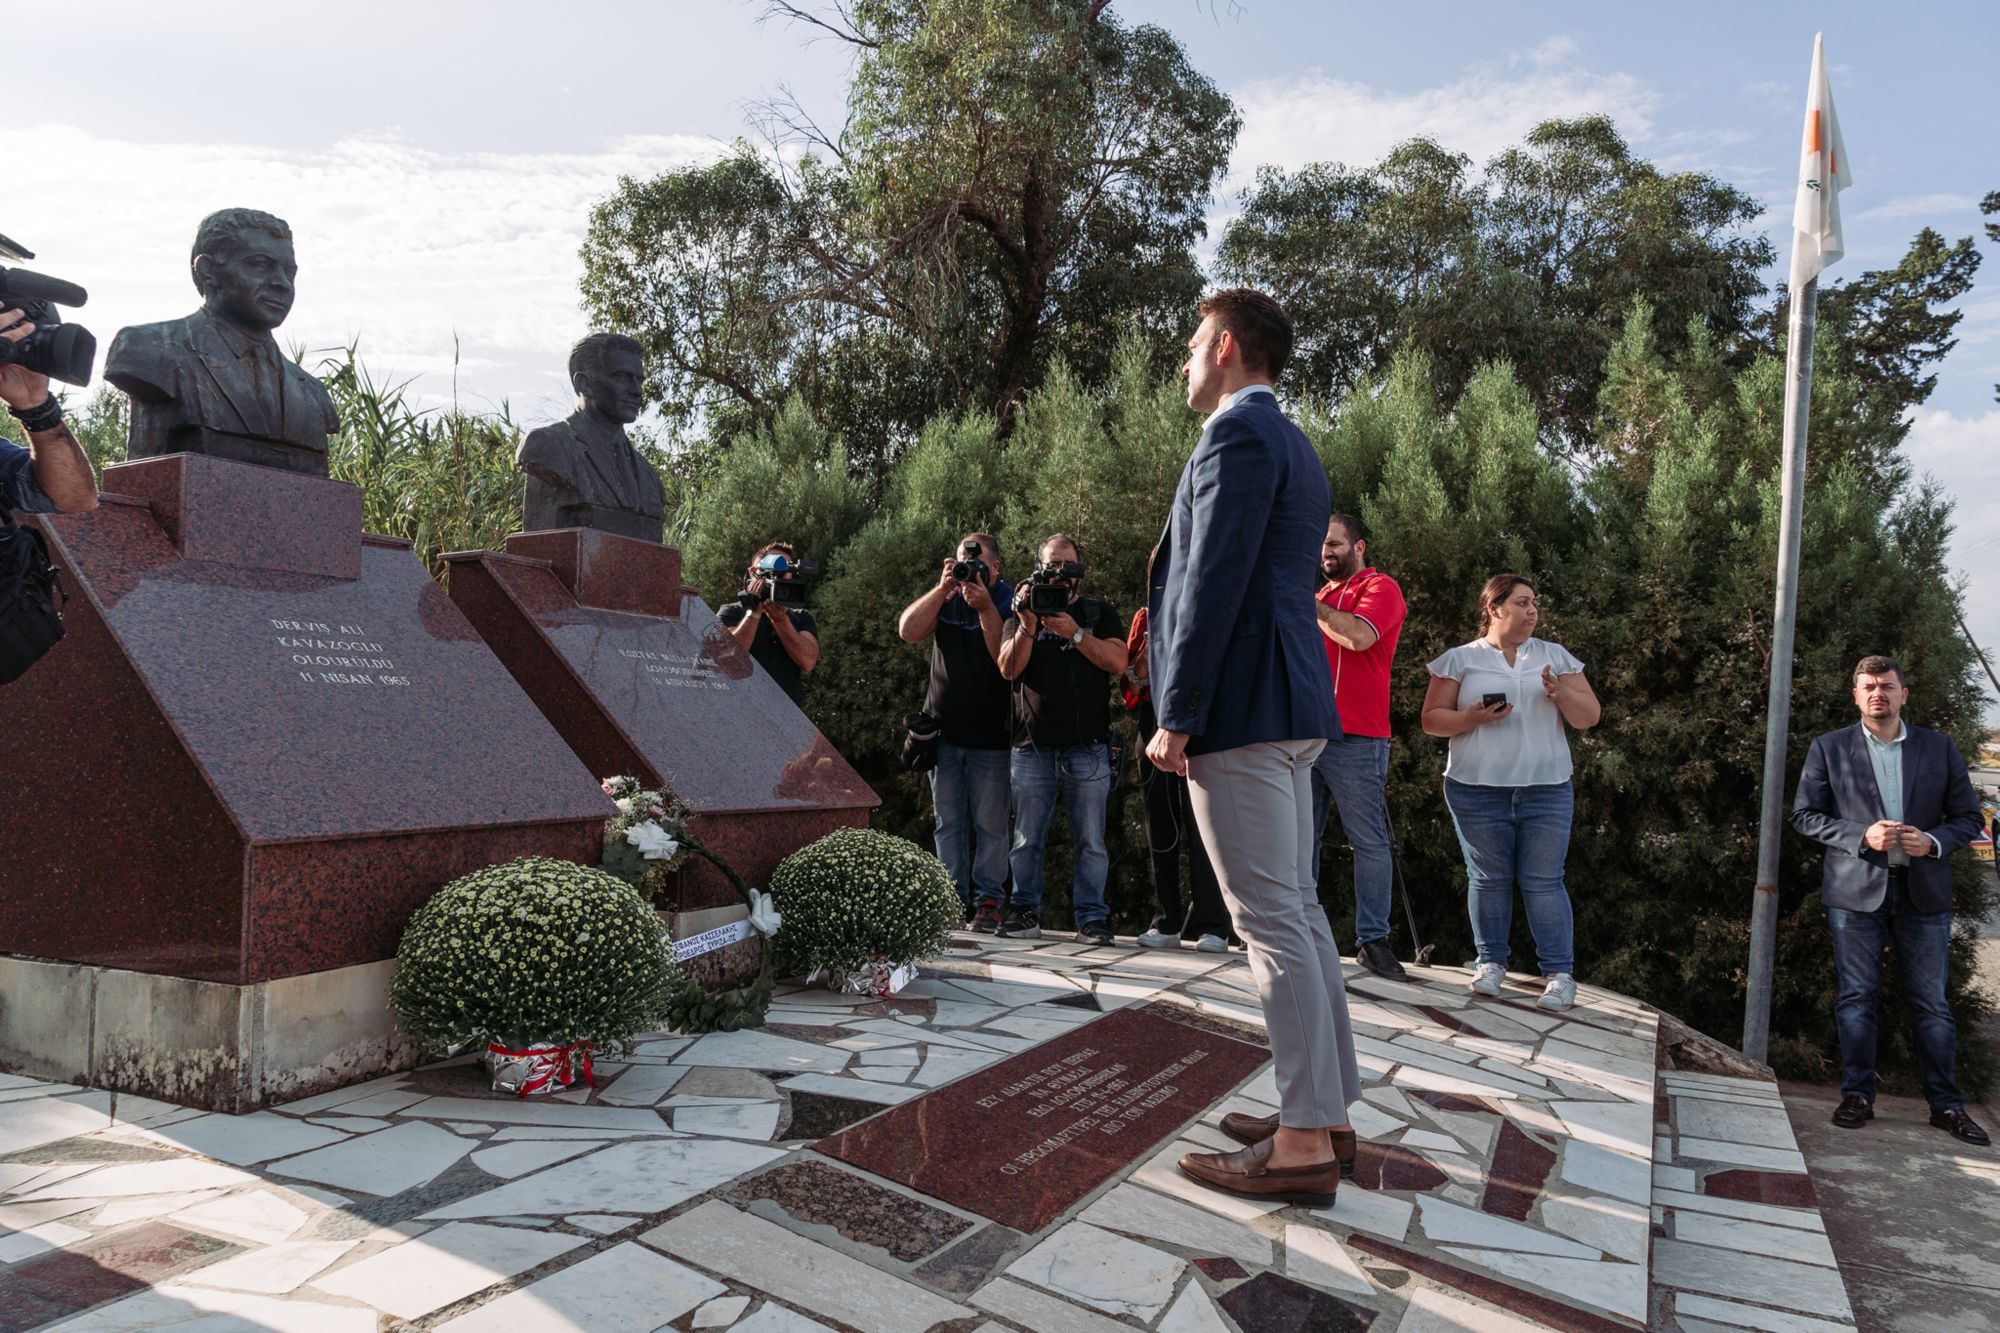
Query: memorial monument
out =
(215, 383)
(633, 670)
(265, 740)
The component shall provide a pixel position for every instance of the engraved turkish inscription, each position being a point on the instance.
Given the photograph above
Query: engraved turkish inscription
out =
(336, 654)
(677, 670)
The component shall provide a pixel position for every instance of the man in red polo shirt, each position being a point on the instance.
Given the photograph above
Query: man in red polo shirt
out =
(1361, 617)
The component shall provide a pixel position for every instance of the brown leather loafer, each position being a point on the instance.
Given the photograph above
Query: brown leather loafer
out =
(1257, 1128)
(1244, 1173)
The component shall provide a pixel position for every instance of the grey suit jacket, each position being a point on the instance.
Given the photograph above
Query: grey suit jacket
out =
(1837, 800)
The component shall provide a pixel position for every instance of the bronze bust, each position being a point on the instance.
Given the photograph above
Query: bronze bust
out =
(583, 472)
(215, 383)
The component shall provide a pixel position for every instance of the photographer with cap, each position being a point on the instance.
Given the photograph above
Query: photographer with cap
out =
(1062, 659)
(963, 616)
(51, 475)
(784, 640)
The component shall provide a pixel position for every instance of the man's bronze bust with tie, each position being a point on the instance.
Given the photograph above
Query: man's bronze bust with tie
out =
(583, 472)
(215, 383)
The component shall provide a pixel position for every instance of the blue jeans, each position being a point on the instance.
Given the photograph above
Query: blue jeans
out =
(1082, 773)
(1353, 773)
(969, 793)
(1516, 835)
(1922, 952)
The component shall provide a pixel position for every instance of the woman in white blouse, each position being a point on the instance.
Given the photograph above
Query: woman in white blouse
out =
(1503, 699)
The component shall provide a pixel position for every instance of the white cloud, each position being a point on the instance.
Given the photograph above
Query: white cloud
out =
(1963, 452)
(1927, 206)
(404, 247)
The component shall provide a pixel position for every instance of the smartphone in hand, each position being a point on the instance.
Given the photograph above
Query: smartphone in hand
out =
(1493, 700)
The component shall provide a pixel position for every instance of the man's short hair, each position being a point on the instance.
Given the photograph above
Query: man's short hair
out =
(218, 233)
(1259, 324)
(1877, 665)
(588, 355)
(774, 548)
(1065, 539)
(986, 540)
(1352, 526)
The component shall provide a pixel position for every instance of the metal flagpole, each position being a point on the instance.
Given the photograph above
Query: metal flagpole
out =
(1778, 710)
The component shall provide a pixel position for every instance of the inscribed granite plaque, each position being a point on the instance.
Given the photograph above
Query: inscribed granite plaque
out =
(1021, 1142)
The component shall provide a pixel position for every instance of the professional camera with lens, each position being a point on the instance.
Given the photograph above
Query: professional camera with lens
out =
(969, 568)
(1049, 591)
(783, 580)
(60, 351)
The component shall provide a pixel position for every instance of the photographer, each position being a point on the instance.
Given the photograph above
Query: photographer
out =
(963, 616)
(51, 475)
(784, 640)
(1062, 662)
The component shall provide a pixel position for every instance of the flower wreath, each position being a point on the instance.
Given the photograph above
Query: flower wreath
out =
(644, 844)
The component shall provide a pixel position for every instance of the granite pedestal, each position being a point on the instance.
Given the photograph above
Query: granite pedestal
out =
(636, 674)
(266, 739)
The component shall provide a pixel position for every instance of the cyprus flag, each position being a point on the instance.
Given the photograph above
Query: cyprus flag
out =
(1823, 175)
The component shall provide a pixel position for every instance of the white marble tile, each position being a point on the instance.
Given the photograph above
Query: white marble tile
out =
(861, 1090)
(1425, 1080)
(1432, 1311)
(1193, 1312)
(202, 1310)
(1788, 1285)
(761, 1050)
(1102, 1270)
(1379, 1214)
(965, 1014)
(1162, 1173)
(1741, 1154)
(1449, 1224)
(443, 1266)
(1602, 1171)
(132, 1210)
(1805, 1219)
(767, 1257)
(538, 1111)
(508, 1160)
(351, 1124)
(1619, 1288)
(1118, 992)
(903, 1056)
(944, 1066)
(720, 1312)
(1625, 1127)
(384, 1101)
(395, 1160)
(1619, 1227)
(1038, 1026)
(19, 1245)
(1370, 1122)
(522, 1133)
(879, 1074)
(601, 1223)
(1694, 1078)
(644, 1176)
(176, 1176)
(1142, 1213)
(1734, 1233)
(1024, 1305)
(259, 1216)
(468, 1129)
(244, 1140)
(1431, 1141)
(774, 1318)
(30, 1124)
(625, 1289)
(642, 1085)
(1738, 1315)
(353, 1092)
(744, 1120)
(1315, 1255)
(274, 1270)
(1734, 1122)
(1390, 1100)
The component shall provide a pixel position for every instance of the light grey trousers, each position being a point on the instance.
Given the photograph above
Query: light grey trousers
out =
(1253, 805)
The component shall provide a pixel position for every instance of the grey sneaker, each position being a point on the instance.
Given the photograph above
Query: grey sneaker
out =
(1486, 979)
(1020, 926)
(1211, 944)
(1559, 993)
(1093, 932)
(1155, 938)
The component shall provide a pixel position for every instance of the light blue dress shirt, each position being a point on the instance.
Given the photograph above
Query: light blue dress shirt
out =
(1886, 758)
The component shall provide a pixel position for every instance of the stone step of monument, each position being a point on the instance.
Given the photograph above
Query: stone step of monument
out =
(994, 1147)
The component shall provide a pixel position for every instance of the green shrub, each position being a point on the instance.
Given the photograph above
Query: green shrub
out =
(856, 896)
(534, 950)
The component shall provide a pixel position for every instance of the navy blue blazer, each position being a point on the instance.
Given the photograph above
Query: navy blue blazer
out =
(1837, 800)
(1237, 656)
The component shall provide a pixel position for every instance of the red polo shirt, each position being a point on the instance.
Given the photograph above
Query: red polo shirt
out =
(1361, 680)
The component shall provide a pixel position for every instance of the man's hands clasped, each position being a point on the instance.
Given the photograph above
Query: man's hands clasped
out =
(1888, 835)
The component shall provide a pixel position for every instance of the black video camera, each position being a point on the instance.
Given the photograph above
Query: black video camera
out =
(969, 568)
(782, 577)
(1052, 586)
(60, 351)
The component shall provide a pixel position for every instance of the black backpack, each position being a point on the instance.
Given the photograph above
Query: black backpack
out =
(30, 599)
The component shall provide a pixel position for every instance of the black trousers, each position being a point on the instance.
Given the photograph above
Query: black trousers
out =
(1169, 825)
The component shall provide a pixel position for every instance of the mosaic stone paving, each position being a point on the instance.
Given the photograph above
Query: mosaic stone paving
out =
(1518, 1170)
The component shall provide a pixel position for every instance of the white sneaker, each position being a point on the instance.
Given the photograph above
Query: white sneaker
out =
(1560, 993)
(1486, 978)
(1211, 944)
(1154, 939)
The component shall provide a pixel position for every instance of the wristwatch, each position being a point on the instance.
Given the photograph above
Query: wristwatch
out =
(1076, 639)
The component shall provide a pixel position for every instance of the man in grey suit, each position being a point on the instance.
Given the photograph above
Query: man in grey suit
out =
(215, 383)
(1245, 705)
(1891, 802)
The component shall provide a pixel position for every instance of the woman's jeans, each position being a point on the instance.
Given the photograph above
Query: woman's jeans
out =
(1516, 835)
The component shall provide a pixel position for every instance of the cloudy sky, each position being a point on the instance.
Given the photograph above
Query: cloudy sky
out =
(438, 159)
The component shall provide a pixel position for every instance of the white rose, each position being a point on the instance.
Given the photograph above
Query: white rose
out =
(624, 804)
(652, 841)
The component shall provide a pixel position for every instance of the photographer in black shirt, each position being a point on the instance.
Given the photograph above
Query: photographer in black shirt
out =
(784, 640)
(963, 616)
(1062, 660)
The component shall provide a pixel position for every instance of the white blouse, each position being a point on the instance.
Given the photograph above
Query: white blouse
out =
(1527, 747)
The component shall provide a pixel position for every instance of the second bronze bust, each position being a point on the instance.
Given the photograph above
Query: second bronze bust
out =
(583, 471)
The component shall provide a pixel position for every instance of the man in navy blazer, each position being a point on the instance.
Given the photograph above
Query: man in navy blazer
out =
(1245, 705)
(1891, 802)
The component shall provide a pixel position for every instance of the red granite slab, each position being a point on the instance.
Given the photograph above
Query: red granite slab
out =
(1023, 1141)
(238, 772)
(55, 1285)
(1390, 1166)
(1543, 1310)
(1787, 1189)
(605, 570)
(1520, 1168)
(1269, 1303)
(251, 517)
